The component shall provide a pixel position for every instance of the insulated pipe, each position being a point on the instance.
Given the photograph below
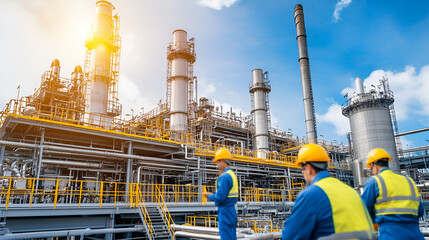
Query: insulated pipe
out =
(71, 163)
(260, 236)
(67, 233)
(212, 230)
(145, 160)
(304, 65)
(196, 235)
(15, 169)
(259, 89)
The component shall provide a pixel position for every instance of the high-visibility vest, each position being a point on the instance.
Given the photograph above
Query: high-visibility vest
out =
(397, 194)
(233, 192)
(349, 214)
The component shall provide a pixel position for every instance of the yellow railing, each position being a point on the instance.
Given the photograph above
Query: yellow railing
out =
(116, 125)
(255, 224)
(197, 220)
(259, 225)
(164, 209)
(140, 203)
(51, 192)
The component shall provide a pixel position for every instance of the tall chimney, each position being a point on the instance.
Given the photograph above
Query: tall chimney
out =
(304, 65)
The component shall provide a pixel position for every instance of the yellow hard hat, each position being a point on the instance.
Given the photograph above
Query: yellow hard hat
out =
(222, 153)
(376, 154)
(312, 153)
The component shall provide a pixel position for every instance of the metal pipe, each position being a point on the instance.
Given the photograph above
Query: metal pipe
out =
(71, 163)
(177, 227)
(39, 164)
(260, 236)
(24, 167)
(359, 85)
(412, 132)
(66, 233)
(15, 169)
(1, 158)
(196, 235)
(304, 65)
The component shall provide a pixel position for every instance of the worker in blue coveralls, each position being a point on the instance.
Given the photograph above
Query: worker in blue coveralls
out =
(326, 208)
(226, 196)
(393, 200)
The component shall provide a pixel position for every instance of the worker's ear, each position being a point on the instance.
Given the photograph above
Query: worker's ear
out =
(311, 170)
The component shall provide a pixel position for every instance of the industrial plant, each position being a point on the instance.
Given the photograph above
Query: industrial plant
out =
(71, 167)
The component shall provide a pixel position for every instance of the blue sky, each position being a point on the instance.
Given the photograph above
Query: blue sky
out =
(370, 39)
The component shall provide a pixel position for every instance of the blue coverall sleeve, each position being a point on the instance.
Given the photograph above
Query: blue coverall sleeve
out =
(224, 184)
(421, 209)
(369, 195)
(302, 221)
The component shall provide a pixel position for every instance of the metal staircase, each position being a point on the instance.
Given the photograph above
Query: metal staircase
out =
(152, 217)
(159, 226)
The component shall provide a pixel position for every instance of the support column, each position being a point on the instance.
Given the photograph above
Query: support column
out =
(129, 168)
(39, 165)
(2, 157)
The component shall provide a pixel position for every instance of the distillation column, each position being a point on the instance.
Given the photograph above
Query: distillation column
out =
(101, 47)
(304, 65)
(259, 89)
(181, 56)
(371, 126)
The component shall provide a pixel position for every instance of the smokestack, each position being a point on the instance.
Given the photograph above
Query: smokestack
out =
(304, 65)
(259, 91)
(181, 56)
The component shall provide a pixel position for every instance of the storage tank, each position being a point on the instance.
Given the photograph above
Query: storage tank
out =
(371, 126)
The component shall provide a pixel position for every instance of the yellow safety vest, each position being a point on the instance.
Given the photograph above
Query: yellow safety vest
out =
(350, 216)
(397, 194)
(233, 192)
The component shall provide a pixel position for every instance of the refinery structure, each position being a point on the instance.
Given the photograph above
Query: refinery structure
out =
(72, 167)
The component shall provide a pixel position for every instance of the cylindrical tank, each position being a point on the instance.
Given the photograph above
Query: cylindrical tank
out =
(304, 65)
(259, 89)
(100, 45)
(371, 127)
(180, 57)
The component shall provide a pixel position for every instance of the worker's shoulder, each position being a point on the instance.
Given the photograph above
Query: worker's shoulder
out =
(312, 193)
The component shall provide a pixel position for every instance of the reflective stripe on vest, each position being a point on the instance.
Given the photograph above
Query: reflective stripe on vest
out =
(349, 214)
(233, 192)
(401, 197)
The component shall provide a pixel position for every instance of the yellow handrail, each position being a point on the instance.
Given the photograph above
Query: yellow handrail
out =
(165, 212)
(143, 209)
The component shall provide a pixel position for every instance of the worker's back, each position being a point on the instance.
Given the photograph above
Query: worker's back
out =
(326, 207)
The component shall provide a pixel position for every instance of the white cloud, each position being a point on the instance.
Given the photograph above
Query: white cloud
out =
(335, 117)
(410, 89)
(210, 89)
(340, 6)
(131, 97)
(216, 4)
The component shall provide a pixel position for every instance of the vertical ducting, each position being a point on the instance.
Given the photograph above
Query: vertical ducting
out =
(259, 93)
(359, 86)
(181, 56)
(304, 65)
